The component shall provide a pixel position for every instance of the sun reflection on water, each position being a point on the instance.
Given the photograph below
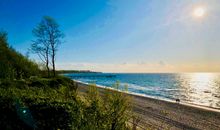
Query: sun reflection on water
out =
(202, 88)
(202, 81)
(195, 88)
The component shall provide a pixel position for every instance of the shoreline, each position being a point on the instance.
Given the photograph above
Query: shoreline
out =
(155, 98)
(161, 114)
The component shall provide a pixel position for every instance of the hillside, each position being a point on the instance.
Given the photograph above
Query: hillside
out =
(13, 64)
(28, 100)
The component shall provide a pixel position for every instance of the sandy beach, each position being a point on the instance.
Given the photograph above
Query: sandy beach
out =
(161, 114)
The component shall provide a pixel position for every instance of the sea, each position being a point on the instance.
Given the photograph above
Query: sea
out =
(201, 89)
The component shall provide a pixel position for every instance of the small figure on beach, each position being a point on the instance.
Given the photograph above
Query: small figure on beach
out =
(177, 100)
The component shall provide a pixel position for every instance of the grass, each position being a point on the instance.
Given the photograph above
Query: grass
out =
(42, 103)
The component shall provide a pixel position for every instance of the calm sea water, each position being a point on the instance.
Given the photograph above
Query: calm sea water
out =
(196, 88)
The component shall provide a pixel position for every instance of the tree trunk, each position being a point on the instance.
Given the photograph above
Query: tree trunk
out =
(53, 61)
(47, 63)
(48, 70)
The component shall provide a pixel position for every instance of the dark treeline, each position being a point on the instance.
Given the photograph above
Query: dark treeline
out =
(74, 71)
(14, 65)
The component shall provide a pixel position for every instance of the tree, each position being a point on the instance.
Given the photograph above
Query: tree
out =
(41, 46)
(55, 36)
(48, 39)
(14, 65)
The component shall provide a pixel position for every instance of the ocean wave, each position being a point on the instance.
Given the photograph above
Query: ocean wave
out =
(187, 88)
(150, 88)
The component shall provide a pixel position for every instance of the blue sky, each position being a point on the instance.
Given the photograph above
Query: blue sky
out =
(123, 35)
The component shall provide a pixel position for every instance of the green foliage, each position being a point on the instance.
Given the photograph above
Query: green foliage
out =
(59, 107)
(109, 111)
(118, 108)
(94, 111)
(49, 108)
(13, 64)
(30, 101)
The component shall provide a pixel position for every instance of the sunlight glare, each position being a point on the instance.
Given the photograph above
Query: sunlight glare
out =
(199, 12)
(202, 81)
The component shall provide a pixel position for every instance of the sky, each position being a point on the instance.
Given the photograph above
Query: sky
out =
(123, 35)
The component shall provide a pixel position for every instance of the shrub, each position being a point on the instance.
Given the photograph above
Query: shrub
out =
(13, 64)
(110, 111)
(44, 109)
(60, 108)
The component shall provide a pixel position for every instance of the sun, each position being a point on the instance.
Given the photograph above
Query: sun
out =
(199, 12)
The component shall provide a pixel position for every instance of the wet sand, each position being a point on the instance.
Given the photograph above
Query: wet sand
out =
(160, 114)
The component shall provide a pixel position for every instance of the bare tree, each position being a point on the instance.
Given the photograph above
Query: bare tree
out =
(54, 38)
(41, 46)
(48, 39)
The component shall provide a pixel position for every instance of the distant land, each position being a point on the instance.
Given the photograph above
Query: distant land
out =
(75, 71)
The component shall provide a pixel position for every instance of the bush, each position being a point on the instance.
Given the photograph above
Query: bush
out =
(9, 118)
(110, 111)
(38, 108)
(14, 65)
(60, 108)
